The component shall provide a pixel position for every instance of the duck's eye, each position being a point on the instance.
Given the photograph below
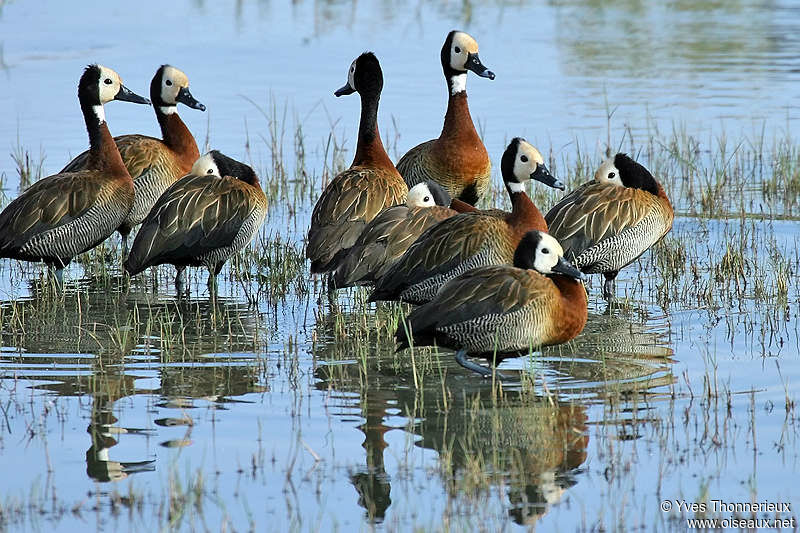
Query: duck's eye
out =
(426, 199)
(524, 158)
(458, 50)
(611, 175)
(210, 171)
(545, 250)
(108, 81)
(169, 83)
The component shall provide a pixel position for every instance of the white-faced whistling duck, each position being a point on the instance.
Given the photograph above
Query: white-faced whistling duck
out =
(201, 219)
(68, 213)
(607, 223)
(388, 235)
(155, 164)
(502, 311)
(457, 159)
(471, 240)
(371, 184)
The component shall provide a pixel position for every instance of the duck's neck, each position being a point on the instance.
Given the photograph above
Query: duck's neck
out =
(177, 136)
(462, 207)
(524, 216)
(457, 120)
(575, 305)
(103, 152)
(370, 150)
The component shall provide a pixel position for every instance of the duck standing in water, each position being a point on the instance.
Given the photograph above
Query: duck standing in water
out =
(457, 160)
(471, 240)
(371, 184)
(607, 223)
(155, 164)
(389, 234)
(201, 219)
(66, 214)
(503, 311)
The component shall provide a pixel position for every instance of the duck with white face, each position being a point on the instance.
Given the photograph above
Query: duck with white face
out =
(389, 235)
(202, 219)
(463, 56)
(155, 164)
(66, 214)
(502, 311)
(472, 239)
(607, 223)
(357, 195)
(457, 160)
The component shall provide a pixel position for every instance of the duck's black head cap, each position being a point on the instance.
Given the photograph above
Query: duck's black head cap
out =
(525, 254)
(634, 175)
(440, 194)
(508, 159)
(228, 166)
(368, 77)
(89, 85)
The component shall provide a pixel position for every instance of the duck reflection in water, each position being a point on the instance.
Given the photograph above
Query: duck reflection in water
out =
(372, 482)
(103, 430)
(532, 447)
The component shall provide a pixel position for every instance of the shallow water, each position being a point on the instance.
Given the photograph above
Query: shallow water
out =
(270, 408)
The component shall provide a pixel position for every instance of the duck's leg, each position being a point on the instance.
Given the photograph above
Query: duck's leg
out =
(213, 271)
(124, 246)
(609, 286)
(330, 287)
(180, 280)
(461, 359)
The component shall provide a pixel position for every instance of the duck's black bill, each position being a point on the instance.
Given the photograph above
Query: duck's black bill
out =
(543, 175)
(568, 269)
(126, 95)
(186, 98)
(345, 90)
(474, 64)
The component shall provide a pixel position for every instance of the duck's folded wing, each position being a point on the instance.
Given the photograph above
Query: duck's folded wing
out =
(482, 292)
(351, 201)
(412, 165)
(48, 204)
(196, 215)
(439, 249)
(595, 212)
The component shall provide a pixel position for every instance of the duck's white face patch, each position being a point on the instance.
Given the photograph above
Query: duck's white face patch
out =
(461, 46)
(204, 165)
(608, 173)
(547, 254)
(527, 160)
(109, 85)
(172, 80)
(420, 196)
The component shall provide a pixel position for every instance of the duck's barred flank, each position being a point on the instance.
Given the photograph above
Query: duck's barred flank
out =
(622, 249)
(147, 189)
(515, 331)
(81, 234)
(425, 290)
(214, 259)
